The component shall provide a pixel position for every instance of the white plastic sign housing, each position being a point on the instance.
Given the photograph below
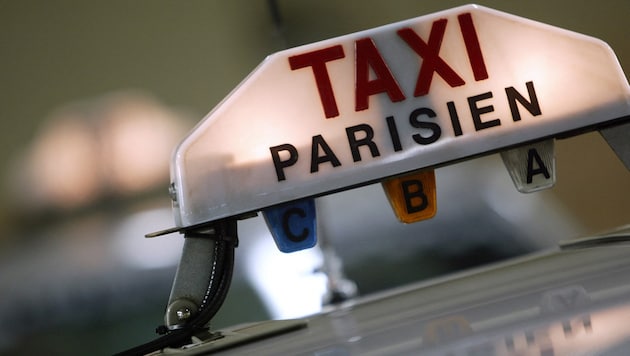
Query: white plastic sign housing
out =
(355, 109)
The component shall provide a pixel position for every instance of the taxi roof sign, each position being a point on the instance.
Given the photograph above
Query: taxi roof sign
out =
(356, 109)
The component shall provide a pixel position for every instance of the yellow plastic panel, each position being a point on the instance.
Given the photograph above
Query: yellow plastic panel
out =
(413, 197)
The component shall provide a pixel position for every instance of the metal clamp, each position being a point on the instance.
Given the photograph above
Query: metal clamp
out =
(200, 286)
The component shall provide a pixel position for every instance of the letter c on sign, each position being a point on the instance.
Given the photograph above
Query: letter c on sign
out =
(293, 224)
(286, 224)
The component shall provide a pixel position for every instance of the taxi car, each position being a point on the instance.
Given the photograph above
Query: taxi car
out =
(390, 105)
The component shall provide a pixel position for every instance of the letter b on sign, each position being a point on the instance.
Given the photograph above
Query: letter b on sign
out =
(413, 196)
(292, 225)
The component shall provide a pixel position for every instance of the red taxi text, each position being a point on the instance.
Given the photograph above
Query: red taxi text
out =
(373, 77)
(367, 56)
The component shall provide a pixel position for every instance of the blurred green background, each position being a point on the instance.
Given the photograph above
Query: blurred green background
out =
(65, 64)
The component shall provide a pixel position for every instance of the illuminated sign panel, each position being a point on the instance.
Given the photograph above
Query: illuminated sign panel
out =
(395, 99)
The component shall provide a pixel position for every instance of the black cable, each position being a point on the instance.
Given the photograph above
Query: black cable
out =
(217, 296)
(276, 16)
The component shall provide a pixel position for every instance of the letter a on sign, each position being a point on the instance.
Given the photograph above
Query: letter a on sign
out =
(412, 196)
(532, 167)
(292, 225)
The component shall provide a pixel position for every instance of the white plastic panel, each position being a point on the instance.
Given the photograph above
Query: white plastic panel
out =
(358, 108)
(532, 167)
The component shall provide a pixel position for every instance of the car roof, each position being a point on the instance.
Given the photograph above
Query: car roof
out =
(532, 302)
